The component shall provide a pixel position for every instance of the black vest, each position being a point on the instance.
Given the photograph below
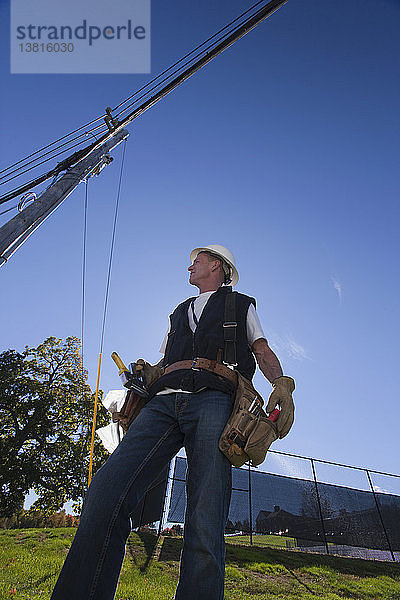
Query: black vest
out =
(205, 342)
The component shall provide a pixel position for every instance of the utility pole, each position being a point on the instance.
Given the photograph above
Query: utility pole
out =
(14, 233)
(84, 162)
(114, 125)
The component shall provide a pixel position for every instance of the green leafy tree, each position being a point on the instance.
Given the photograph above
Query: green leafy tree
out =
(46, 409)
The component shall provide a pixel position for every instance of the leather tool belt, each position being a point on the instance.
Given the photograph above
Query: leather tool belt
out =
(249, 432)
(131, 408)
(199, 364)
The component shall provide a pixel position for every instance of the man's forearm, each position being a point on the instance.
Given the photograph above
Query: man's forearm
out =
(267, 360)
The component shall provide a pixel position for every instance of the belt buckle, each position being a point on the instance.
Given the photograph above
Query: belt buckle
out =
(192, 365)
(230, 365)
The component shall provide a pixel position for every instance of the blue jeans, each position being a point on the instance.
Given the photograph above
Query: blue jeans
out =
(166, 424)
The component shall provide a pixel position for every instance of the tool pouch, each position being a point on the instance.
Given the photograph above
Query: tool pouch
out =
(151, 373)
(130, 409)
(248, 433)
(133, 402)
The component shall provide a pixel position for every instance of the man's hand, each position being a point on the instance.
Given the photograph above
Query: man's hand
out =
(149, 372)
(281, 396)
(283, 386)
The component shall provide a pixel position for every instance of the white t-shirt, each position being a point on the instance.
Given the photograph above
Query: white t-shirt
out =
(253, 326)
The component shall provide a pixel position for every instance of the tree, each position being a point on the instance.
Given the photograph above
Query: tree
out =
(46, 409)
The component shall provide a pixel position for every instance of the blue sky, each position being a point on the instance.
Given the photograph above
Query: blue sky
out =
(284, 149)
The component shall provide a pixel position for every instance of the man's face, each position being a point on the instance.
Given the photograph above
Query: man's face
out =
(200, 269)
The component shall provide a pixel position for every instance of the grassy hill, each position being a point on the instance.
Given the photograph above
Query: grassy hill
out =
(30, 560)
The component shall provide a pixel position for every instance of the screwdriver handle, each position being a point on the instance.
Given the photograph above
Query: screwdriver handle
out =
(118, 362)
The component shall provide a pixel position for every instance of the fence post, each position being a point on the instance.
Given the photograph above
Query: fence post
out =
(319, 506)
(142, 510)
(380, 516)
(250, 509)
(167, 493)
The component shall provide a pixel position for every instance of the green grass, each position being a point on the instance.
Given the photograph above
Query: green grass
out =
(30, 560)
(279, 541)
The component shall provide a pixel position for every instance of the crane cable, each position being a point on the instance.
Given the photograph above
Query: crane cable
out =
(105, 314)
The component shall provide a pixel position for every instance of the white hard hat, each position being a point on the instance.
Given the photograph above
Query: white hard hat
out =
(223, 253)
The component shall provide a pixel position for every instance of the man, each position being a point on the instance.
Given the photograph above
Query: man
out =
(190, 405)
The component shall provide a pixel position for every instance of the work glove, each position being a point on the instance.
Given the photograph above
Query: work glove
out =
(150, 373)
(281, 396)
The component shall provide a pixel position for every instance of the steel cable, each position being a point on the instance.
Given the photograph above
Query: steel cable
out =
(47, 159)
(52, 143)
(184, 57)
(105, 311)
(206, 55)
(85, 436)
(5, 178)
